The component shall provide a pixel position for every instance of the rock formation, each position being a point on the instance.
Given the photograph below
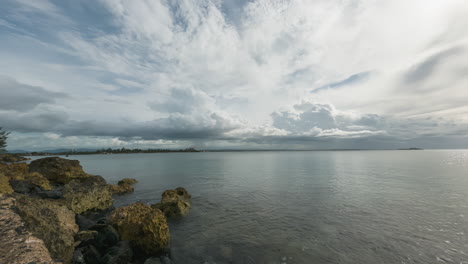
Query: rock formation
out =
(5, 187)
(17, 244)
(146, 228)
(51, 221)
(90, 193)
(174, 203)
(123, 186)
(58, 169)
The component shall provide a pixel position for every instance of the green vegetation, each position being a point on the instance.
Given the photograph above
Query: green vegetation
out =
(3, 139)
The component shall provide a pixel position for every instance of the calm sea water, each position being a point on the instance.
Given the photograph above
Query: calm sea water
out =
(307, 207)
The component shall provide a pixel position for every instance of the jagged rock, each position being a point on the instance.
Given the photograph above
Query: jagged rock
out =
(5, 186)
(14, 171)
(122, 253)
(58, 169)
(121, 188)
(129, 181)
(91, 193)
(52, 222)
(144, 226)
(174, 203)
(17, 244)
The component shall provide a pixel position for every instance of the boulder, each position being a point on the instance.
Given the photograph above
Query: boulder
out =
(91, 193)
(121, 188)
(26, 187)
(5, 186)
(129, 181)
(174, 203)
(58, 169)
(50, 221)
(146, 228)
(17, 244)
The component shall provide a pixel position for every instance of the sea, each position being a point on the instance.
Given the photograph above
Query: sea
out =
(392, 206)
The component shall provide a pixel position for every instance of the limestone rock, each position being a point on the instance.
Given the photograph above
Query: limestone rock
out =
(58, 169)
(121, 188)
(146, 228)
(5, 186)
(129, 181)
(39, 180)
(91, 193)
(51, 221)
(17, 244)
(14, 171)
(174, 203)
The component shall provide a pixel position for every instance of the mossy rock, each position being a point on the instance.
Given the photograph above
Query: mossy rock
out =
(50, 221)
(120, 189)
(144, 226)
(87, 194)
(174, 203)
(5, 187)
(129, 181)
(58, 169)
(14, 171)
(38, 179)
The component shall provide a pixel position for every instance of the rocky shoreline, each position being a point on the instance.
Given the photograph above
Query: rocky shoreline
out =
(51, 211)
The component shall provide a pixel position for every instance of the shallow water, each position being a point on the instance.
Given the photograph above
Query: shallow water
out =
(307, 207)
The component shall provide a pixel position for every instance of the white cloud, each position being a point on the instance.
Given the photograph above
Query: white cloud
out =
(253, 73)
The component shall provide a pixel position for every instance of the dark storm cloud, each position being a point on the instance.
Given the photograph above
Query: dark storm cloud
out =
(22, 97)
(173, 127)
(38, 121)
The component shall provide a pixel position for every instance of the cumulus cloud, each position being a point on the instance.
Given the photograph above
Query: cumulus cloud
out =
(236, 73)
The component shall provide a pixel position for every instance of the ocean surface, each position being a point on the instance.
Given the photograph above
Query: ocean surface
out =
(307, 206)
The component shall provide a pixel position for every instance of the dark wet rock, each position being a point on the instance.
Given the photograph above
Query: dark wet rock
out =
(146, 228)
(87, 194)
(90, 218)
(38, 179)
(174, 203)
(5, 187)
(87, 255)
(51, 221)
(153, 260)
(85, 235)
(129, 181)
(58, 169)
(106, 237)
(122, 253)
(18, 245)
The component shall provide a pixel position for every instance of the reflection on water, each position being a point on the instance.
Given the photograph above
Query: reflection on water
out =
(307, 207)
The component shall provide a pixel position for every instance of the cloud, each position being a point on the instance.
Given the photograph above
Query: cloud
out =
(235, 73)
(22, 97)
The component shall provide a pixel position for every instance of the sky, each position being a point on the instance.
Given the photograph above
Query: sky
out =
(234, 74)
